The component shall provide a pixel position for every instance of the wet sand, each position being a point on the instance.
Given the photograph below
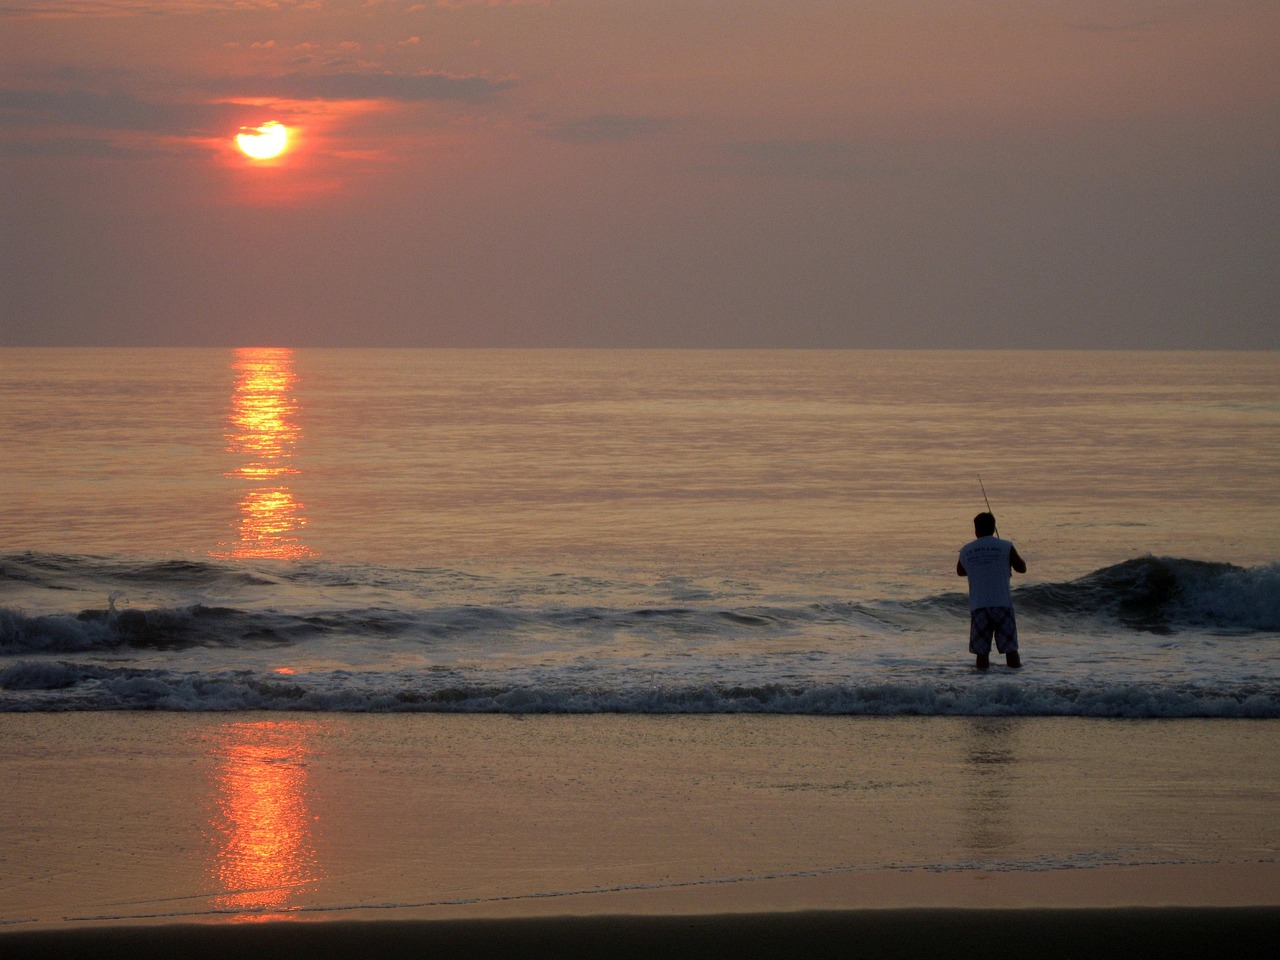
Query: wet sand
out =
(200, 834)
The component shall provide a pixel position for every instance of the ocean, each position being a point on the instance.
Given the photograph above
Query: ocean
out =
(291, 634)
(670, 532)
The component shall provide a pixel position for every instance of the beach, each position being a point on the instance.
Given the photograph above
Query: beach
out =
(351, 834)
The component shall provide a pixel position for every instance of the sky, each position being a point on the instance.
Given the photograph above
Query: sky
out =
(642, 173)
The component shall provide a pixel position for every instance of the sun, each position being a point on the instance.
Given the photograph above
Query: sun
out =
(264, 142)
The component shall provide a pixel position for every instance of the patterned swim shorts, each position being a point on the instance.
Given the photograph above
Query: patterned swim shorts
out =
(986, 621)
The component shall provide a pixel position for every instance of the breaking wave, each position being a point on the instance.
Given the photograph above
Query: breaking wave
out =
(1150, 637)
(1163, 594)
(1151, 594)
(45, 686)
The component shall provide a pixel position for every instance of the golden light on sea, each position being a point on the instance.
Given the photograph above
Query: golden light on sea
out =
(262, 432)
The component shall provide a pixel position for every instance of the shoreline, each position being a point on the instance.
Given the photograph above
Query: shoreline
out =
(1161, 887)
(1043, 933)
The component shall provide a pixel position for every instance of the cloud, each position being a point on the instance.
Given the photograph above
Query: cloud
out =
(94, 147)
(1125, 26)
(209, 110)
(136, 8)
(68, 9)
(606, 128)
(113, 111)
(375, 86)
(803, 159)
(458, 4)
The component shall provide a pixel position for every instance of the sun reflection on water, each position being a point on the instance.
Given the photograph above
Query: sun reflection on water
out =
(261, 823)
(263, 429)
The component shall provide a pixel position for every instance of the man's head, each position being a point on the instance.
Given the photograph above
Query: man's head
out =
(984, 524)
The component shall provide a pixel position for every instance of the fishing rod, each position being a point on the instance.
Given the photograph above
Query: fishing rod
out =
(988, 503)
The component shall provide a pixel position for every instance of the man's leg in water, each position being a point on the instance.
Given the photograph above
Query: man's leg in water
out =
(1005, 626)
(980, 631)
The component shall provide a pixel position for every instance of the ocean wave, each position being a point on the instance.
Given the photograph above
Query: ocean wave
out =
(55, 571)
(196, 625)
(161, 628)
(1152, 594)
(32, 686)
(1163, 594)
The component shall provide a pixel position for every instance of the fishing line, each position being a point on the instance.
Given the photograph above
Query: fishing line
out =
(988, 503)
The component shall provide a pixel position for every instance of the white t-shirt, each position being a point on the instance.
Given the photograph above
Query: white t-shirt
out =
(986, 561)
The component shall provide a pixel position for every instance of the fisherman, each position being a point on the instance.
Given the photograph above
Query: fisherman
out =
(986, 561)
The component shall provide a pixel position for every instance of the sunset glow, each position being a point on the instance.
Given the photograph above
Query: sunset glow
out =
(264, 142)
(658, 173)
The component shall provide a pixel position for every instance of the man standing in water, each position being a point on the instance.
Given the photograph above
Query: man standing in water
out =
(986, 561)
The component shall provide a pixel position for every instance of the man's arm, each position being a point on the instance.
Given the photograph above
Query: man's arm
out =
(960, 570)
(1016, 561)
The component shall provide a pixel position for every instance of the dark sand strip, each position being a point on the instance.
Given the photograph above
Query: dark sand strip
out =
(1193, 932)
